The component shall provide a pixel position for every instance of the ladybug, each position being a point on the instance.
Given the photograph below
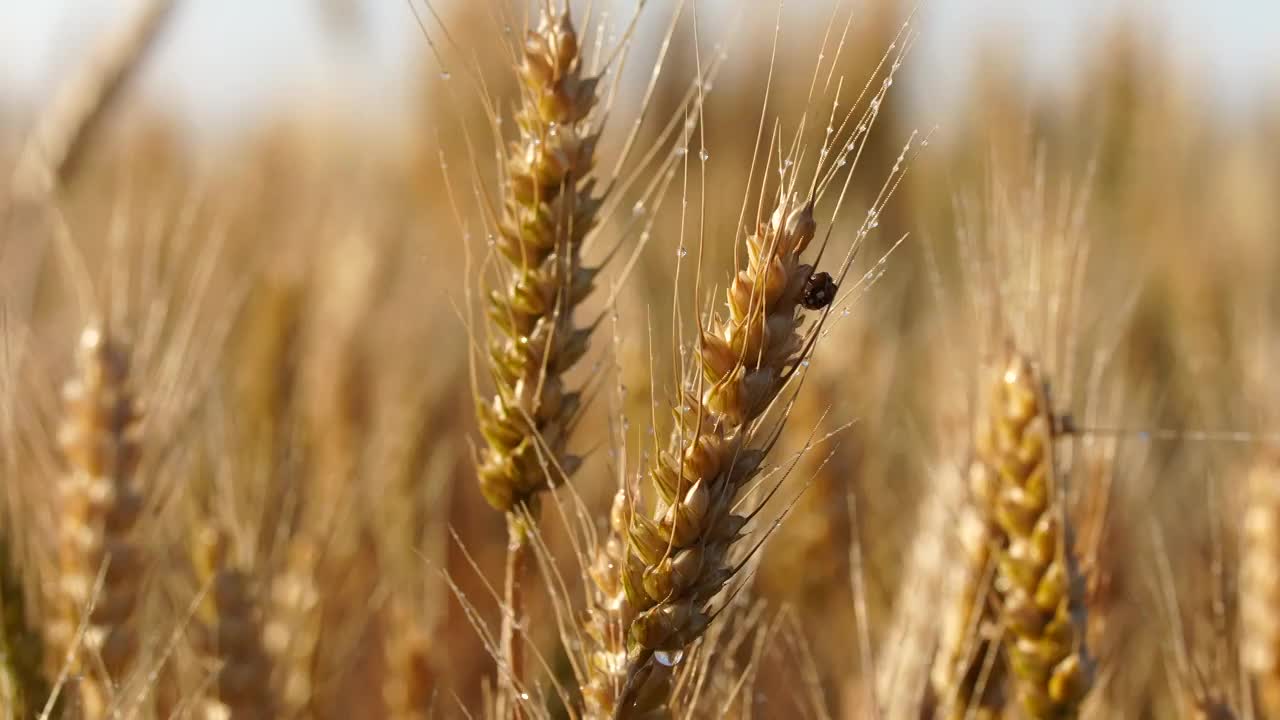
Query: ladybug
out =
(819, 291)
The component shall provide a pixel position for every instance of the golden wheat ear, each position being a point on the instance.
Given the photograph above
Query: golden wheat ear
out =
(100, 563)
(656, 576)
(548, 207)
(1037, 580)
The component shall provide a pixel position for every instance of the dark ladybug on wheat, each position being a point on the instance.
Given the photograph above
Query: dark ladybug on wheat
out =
(819, 291)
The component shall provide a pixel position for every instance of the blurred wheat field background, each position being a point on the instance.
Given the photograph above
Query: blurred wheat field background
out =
(645, 360)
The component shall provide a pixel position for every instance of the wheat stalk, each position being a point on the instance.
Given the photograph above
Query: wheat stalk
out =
(676, 561)
(100, 563)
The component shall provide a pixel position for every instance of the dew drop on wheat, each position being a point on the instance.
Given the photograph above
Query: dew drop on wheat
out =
(804, 363)
(446, 75)
(704, 156)
(681, 152)
(682, 251)
(638, 209)
(669, 659)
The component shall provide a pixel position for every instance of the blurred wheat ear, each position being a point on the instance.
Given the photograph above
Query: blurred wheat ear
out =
(229, 632)
(1260, 582)
(101, 568)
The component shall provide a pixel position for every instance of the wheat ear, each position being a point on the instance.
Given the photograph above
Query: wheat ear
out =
(547, 211)
(100, 564)
(676, 561)
(1040, 588)
(230, 633)
(1260, 582)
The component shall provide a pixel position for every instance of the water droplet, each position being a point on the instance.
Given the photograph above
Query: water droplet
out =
(924, 143)
(681, 151)
(844, 312)
(445, 75)
(704, 155)
(638, 208)
(788, 163)
(804, 362)
(492, 240)
(668, 659)
(524, 696)
(682, 251)
(841, 162)
(644, 236)
(553, 130)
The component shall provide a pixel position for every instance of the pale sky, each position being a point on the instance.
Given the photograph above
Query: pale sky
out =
(225, 62)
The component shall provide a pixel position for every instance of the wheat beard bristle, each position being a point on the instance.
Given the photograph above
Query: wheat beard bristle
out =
(548, 210)
(656, 576)
(1038, 585)
(99, 504)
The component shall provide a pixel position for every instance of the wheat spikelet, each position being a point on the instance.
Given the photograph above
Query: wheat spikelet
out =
(547, 211)
(678, 560)
(99, 504)
(1038, 585)
(1260, 582)
(230, 633)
